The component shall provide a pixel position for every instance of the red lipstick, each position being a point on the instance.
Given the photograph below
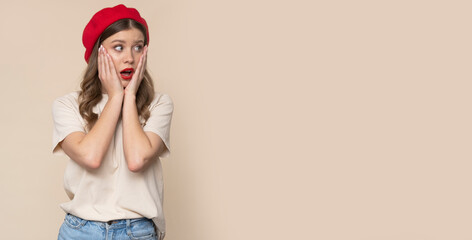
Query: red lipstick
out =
(127, 73)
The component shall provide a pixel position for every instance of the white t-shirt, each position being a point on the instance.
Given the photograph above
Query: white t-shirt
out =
(112, 191)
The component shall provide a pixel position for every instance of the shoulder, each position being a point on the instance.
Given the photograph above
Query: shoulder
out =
(70, 97)
(161, 99)
(69, 100)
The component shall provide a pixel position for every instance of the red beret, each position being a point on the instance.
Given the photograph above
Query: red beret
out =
(104, 18)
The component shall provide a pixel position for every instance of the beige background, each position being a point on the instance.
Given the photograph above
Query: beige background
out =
(293, 119)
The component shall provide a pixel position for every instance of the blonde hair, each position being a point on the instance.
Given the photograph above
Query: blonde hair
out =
(91, 87)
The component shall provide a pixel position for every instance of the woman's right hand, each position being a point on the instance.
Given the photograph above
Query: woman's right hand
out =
(107, 74)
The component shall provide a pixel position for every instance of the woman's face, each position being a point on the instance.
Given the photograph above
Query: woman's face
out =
(125, 48)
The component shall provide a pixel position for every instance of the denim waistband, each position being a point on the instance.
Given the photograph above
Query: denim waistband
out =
(118, 223)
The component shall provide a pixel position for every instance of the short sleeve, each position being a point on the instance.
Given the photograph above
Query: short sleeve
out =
(66, 119)
(160, 119)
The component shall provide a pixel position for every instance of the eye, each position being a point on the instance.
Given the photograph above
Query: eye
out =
(118, 48)
(138, 48)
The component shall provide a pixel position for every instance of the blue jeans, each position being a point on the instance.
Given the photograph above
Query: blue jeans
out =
(74, 227)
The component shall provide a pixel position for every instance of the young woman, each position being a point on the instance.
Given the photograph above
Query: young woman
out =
(114, 130)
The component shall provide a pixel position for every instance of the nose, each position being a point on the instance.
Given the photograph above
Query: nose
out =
(128, 57)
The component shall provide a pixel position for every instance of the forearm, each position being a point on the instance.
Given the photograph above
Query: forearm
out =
(94, 145)
(137, 147)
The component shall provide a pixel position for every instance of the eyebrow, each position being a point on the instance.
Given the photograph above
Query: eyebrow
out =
(121, 41)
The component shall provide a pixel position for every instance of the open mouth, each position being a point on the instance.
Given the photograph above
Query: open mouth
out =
(127, 73)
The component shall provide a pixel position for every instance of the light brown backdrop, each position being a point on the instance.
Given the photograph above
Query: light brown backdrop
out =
(293, 119)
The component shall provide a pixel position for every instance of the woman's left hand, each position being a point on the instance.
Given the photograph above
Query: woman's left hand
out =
(138, 75)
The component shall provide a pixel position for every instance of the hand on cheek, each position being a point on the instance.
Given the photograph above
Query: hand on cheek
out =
(138, 75)
(111, 83)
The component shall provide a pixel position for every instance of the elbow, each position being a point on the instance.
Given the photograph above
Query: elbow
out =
(92, 162)
(135, 167)
(136, 164)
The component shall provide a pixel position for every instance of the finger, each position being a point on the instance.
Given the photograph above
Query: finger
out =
(100, 63)
(137, 72)
(106, 64)
(135, 79)
(140, 69)
(142, 64)
(111, 65)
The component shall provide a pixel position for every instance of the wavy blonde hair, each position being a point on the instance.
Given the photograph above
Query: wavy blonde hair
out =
(91, 87)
